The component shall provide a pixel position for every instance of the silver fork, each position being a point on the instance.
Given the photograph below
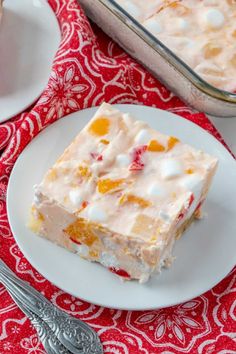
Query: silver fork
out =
(74, 335)
(50, 342)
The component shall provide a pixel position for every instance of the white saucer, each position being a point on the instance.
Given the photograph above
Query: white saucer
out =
(204, 255)
(29, 38)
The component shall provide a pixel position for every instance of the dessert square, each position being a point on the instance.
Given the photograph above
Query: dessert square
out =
(121, 194)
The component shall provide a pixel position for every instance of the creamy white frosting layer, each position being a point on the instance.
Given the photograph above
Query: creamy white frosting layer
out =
(202, 33)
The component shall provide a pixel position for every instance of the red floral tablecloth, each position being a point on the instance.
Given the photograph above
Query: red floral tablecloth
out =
(88, 69)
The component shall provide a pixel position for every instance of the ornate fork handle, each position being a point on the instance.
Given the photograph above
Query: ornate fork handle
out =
(74, 334)
(47, 337)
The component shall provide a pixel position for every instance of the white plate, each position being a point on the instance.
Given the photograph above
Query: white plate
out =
(29, 38)
(205, 254)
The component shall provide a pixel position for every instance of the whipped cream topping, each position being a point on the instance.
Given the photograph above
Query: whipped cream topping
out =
(201, 33)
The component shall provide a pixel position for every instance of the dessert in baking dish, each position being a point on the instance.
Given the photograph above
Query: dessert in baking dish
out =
(140, 9)
(121, 194)
(201, 33)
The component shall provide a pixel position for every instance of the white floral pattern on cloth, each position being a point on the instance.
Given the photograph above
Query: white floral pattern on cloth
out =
(9, 128)
(88, 69)
(224, 312)
(4, 228)
(32, 345)
(86, 311)
(62, 94)
(22, 266)
(177, 327)
(9, 325)
(119, 342)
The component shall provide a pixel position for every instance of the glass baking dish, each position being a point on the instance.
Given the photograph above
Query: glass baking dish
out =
(159, 59)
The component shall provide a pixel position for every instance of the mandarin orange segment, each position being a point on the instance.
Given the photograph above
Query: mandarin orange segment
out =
(154, 146)
(93, 254)
(109, 185)
(213, 72)
(37, 214)
(81, 231)
(211, 50)
(100, 126)
(133, 199)
(105, 142)
(172, 142)
(83, 171)
(231, 2)
(35, 221)
(175, 5)
(168, 3)
(234, 34)
(233, 59)
(189, 171)
(144, 225)
(153, 238)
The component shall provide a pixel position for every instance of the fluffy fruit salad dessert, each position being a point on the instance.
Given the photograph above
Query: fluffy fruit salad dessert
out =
(200, 32)
(121, 194)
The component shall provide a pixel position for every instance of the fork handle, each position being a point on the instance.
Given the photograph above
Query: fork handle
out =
(50, 342)
(74, 334)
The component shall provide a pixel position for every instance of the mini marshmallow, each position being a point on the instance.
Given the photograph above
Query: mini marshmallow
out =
(95, 213)
(128, 119)
(214, 18)
(171, 168)
(38, 197)
(123, 160)
(75, 197)
(143, 137)
(153, 26)
(192, 183)
(182, 24)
